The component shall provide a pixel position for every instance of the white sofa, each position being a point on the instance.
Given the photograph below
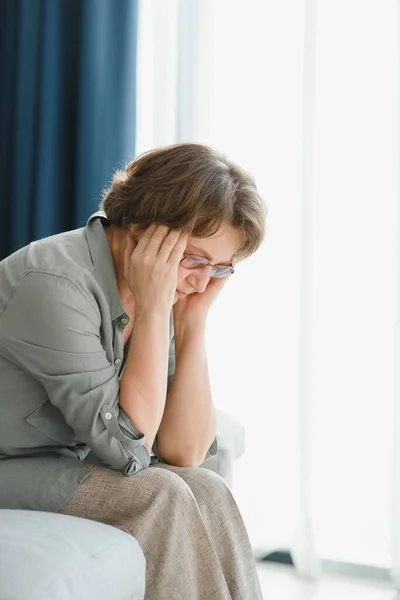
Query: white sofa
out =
(48, 556)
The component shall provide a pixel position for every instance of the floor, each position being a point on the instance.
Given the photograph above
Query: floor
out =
(280, 582)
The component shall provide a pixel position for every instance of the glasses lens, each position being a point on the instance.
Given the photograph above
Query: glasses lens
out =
(197, 262)
(220, 272)
(194, 262)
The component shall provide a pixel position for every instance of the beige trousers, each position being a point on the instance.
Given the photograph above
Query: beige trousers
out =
(187, 524)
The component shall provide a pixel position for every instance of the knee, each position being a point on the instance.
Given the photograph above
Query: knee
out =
(206, 480)
(166, 486)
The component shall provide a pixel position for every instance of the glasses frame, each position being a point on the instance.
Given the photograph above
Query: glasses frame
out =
(204, 262)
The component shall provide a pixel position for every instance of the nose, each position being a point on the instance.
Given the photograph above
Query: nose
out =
(199, 278)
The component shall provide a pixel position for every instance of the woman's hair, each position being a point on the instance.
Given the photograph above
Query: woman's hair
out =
(190, 187)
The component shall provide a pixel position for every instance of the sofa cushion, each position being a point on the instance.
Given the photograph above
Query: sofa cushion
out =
(231, 443)
(48, 556)
(231, 434)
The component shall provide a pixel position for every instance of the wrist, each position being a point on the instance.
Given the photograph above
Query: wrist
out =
(189, 318)
(189, 332)
(146, 313)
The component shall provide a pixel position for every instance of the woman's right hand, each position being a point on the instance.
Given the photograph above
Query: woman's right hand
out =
(151, 267)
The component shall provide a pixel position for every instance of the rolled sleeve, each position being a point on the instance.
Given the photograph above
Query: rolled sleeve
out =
(121, 428)
(51, 329)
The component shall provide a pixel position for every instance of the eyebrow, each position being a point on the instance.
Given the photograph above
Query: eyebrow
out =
(206, 255)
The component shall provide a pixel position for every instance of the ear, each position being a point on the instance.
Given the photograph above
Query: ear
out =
(132, 229)
(135, 232)
(131, 238)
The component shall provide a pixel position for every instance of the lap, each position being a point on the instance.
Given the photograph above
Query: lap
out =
(107, 493)
(157, 475)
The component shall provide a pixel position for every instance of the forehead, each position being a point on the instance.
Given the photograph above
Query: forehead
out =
(219, 247)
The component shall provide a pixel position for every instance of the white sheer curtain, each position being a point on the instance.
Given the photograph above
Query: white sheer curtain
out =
(304, 342)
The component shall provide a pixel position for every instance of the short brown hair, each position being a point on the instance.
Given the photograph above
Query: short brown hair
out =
(190, 187)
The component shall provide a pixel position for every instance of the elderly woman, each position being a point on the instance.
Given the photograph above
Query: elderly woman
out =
(105, 395)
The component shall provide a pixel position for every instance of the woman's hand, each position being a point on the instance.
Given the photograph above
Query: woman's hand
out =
(151, 267)
(194, 308)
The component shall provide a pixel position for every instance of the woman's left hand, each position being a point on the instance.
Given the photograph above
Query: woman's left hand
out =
(194, 307)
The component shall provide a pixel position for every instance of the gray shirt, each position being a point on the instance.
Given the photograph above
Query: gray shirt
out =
(61, 360)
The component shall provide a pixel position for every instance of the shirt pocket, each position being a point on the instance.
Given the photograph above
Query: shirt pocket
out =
(48, 420)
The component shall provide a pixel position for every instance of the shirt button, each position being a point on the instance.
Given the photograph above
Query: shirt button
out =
(117, 361)
(108, 416)
(124, 320)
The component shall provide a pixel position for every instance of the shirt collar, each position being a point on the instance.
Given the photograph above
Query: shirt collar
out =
(102, 260)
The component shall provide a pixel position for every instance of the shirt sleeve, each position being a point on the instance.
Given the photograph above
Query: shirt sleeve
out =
(51, 329)
(213, 449)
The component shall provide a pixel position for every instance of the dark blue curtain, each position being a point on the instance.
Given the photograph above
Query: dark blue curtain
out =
(67, 111)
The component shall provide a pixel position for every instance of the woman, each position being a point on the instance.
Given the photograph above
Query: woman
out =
(104, 372)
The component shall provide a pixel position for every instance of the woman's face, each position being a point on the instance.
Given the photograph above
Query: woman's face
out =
(218, 249)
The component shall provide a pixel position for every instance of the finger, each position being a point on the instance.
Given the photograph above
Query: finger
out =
(178, 249)
(157, 239)
(146, 237)
(169, 244)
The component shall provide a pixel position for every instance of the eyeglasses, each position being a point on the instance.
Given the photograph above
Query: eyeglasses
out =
(189, 261)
